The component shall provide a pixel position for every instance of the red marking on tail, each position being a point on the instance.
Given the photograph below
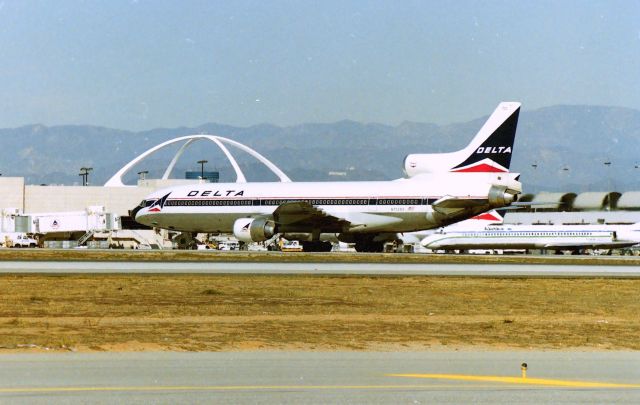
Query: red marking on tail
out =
(486, 217)
(481, 168)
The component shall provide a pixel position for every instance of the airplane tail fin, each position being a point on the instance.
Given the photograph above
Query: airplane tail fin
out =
(480, 221)
(492, 217)
(489, 151)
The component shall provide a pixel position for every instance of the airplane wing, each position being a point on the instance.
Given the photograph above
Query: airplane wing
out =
(303, 215)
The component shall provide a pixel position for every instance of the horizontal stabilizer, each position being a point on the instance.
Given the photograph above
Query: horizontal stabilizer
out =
(521, 205)
(449, 202)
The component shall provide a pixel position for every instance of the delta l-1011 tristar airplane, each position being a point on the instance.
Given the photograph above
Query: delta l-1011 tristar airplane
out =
(548, 237)
(440, 189)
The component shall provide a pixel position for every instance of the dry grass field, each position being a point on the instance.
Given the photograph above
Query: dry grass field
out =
(305, 312)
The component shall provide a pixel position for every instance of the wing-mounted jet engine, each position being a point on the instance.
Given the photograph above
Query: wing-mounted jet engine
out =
(254, 229)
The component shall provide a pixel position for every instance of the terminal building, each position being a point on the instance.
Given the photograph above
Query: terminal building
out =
(23, 206)
(606, 207)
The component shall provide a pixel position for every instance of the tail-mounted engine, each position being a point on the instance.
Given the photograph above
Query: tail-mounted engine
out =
(254, 229)
(499, 196)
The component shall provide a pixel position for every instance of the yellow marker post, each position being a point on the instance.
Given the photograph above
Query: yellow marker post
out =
(518, 380)
(523, 367)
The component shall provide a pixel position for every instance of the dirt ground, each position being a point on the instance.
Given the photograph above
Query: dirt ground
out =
(308, 312)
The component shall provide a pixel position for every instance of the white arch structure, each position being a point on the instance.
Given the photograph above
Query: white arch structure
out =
(116, 179)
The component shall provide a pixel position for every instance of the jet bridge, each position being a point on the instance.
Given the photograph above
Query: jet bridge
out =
(93, 218)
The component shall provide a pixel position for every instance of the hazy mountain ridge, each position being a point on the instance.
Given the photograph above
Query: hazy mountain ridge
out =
(577, 138)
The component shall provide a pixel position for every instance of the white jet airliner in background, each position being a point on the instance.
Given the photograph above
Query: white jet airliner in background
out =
(548, 237)
(479, 222)
(440, 189)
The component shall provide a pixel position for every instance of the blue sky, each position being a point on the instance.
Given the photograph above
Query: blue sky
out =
(145, 64)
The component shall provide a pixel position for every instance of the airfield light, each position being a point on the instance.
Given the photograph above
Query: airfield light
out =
(84, 173)
(142, 175)
(610, 184)
(565, 169)
(201, 163)
(534, 176)
(523, 367)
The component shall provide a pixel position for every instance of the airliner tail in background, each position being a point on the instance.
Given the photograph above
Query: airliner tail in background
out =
(478, 222)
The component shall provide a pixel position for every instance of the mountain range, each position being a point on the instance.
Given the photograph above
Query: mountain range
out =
(561, 148)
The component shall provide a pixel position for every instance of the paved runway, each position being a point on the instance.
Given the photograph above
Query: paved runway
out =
(545, 270)
(254, 377)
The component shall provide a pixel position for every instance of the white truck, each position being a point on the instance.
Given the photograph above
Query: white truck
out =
(290, 246)
(19, 240)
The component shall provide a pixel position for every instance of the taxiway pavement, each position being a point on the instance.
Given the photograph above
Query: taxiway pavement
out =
(451, 269)
(302, 377)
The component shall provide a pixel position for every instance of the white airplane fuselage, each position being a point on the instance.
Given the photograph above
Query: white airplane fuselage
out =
(368, 206)
(556, 237)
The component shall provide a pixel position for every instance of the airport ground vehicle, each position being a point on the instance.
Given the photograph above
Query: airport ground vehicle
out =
(229, 245)
(20, 240)
(291, 246)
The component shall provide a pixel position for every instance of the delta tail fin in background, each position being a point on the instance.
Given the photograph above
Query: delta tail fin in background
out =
(489, 152)
(480, 221)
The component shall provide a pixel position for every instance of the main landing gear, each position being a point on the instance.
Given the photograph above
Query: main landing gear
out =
(368, 245)
(184, 240)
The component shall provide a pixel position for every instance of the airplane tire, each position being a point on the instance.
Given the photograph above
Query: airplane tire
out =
(369, 246)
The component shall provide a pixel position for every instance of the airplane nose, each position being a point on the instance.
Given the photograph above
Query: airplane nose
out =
(141, 216)
(427, 242)
(139, 211)
(134, 211)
